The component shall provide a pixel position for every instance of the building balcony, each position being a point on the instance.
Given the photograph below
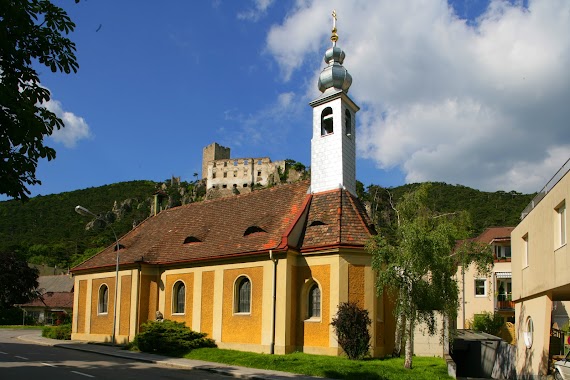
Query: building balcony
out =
(504, 302)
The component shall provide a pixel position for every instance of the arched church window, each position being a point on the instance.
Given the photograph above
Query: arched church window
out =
(327, 121)
(314, 307)
(179, 301)
(243, 295)
(103, 299)
(348, 122)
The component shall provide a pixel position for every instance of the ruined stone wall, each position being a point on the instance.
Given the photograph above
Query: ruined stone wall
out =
(242, 174)
(212, 152)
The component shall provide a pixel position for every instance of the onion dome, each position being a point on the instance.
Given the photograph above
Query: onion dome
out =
(334, 75)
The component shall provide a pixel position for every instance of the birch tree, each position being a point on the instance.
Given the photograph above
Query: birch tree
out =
(417, 263)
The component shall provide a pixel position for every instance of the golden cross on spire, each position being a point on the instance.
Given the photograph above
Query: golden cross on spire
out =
(334, 37)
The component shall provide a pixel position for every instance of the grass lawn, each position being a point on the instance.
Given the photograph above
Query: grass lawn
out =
(21, 327)
(328, 366)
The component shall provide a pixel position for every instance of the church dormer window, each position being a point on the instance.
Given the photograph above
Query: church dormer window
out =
(252, 230)
(348, 122)
(327, 121)
(192, 239)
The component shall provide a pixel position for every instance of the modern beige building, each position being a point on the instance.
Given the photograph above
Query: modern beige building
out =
(541, 272)
(263, 271)
(493, 293)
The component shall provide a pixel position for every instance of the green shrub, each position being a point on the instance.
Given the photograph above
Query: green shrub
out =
(169, 337)
(488, 322)
(10, 316)
(351, 327)
(61, 332)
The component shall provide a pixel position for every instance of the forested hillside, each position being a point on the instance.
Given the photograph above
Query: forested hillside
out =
(485, 208)
(46, 230)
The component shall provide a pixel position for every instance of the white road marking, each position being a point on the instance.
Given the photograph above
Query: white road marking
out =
(21, 357)
(4, 353)
(49, 365)
(82, 374)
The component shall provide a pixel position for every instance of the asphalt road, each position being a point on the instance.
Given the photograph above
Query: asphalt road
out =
(21, 361)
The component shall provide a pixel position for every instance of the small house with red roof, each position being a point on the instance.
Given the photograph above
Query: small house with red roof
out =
(479, 293)
(54, 301)
(263, 271)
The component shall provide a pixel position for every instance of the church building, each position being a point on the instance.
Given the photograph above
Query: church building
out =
(263, 271)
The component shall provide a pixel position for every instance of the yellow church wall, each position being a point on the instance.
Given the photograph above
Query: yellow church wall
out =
(242, 328)
(207, 306)
(81, 306)
(171, 280)
(313, 332)
(210, 302)
(102, 323)
(356, 271)
(125, 305)
(148, 298)
(356, 284)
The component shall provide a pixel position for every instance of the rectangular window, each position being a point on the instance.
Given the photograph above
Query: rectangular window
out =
(502, 252)
(245, 162)
(225, 174)
(480, 287)
(561, 215)
(525, 250)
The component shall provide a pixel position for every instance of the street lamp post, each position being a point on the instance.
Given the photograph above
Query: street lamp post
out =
(83, 211)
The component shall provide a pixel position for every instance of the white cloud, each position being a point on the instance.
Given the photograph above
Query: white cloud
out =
(259, 10)
(483, 105)
(75, 127)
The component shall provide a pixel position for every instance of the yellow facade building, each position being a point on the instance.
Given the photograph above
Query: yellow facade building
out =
(263, 271)
(541, 273)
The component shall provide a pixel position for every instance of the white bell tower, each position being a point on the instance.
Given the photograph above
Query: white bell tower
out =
(333, 146)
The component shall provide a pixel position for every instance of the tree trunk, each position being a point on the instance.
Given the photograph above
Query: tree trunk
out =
(398, 338)
(409, 342)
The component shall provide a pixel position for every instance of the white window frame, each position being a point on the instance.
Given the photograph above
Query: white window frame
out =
(561, 223)
(484, 287)
(528, 332)
(237, 286)
(310, 315)
(175, 289)
(526, 251)
(99, 300)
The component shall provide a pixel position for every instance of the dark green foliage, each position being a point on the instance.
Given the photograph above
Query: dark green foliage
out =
(351, 327)
(485, 209)
(46, 229)
(31, 33)
(488, 322)
(61, 332)
(169, 337)
(12, 316)
(17, 280)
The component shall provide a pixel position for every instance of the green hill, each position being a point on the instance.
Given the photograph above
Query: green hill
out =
(487, 209)
(46, 230)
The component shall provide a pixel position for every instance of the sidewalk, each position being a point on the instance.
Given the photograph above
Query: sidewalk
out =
(223, 369)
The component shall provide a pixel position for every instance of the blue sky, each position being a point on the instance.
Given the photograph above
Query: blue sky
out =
(467, 92)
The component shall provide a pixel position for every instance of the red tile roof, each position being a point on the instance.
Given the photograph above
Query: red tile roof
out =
(336, 218)
(52, 300)
(495, 233)
(220, 225)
